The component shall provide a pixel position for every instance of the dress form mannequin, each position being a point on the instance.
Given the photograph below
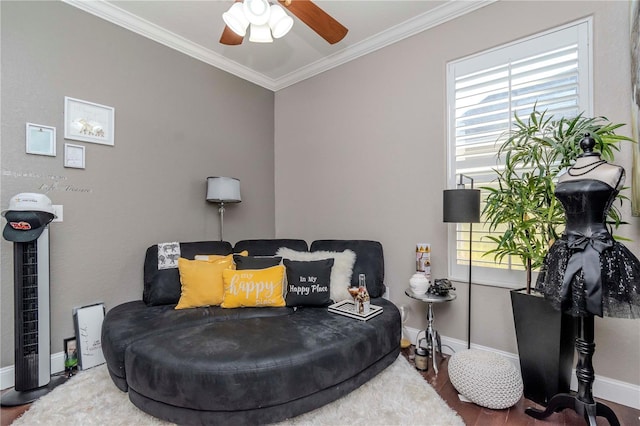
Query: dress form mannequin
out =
(591, 166)
(587, 272)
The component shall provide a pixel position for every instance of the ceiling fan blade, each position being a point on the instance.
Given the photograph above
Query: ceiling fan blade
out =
(317, 19)
(230, 38)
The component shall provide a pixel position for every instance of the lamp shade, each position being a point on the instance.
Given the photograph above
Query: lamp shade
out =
(235, 19)
(279, 22)
(256, 11)
(260, 34)
(461, 206)
(223, 189)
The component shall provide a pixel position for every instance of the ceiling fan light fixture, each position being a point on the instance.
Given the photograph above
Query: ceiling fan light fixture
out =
(260, 34)
(279, 22)
(256, 11)
(235, 19)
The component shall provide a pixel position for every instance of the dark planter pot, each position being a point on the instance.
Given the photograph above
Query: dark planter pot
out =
(545, 346)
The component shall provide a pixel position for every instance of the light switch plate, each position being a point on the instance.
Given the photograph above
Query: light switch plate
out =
(58, 211)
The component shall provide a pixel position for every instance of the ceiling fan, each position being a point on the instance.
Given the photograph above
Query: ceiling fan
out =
(305, 10)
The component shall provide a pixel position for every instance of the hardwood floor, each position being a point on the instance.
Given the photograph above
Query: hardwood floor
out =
(470, 413)
(9, 414)
(475, 415)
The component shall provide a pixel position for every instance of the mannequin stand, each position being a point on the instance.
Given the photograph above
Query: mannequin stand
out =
(582, 402)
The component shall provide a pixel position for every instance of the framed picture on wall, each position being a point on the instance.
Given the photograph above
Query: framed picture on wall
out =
(73, 156)
(88, 122)
(41, 140)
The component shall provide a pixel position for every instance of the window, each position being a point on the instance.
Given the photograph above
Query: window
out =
(551, 71)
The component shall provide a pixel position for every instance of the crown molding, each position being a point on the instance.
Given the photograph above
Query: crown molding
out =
(441, 14)
(413, 26)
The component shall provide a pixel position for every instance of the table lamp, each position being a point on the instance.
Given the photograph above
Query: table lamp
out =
(223, 190)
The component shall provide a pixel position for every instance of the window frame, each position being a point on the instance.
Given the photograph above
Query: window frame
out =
(534, 44)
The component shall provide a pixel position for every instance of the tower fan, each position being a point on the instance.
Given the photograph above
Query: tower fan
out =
(27, 217)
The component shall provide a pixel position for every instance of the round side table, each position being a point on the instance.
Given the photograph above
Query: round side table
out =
(431, 334)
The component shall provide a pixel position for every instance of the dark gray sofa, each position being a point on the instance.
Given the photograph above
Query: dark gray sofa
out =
(213, 365)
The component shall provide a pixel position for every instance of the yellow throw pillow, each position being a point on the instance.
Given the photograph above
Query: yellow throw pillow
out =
(219, 256)
(253, 287)
(201, 281)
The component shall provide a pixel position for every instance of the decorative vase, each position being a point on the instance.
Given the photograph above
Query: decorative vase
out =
(419, 283)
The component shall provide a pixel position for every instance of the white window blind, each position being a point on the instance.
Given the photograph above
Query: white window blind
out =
(551, 71)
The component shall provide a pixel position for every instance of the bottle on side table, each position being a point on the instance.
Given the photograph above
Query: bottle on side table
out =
(363, 301)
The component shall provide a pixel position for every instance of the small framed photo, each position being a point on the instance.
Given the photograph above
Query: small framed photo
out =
(88, 122)
(70, 356)
(41, 140)
(73, 156)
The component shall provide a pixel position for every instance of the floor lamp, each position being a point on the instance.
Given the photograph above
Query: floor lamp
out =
(462, 205)
(223, 190)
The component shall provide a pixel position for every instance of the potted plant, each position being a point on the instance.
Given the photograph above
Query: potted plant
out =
(526, 218)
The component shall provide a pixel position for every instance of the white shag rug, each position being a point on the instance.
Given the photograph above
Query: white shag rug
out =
(397, 396)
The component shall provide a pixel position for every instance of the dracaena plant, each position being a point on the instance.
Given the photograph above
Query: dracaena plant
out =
(520, 208)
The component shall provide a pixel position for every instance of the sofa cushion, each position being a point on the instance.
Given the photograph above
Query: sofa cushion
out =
(308, 282)
(253, 287)
(162, 287)
(131, 321)
(369, 261)
(303, 353)
(341, 271)
(255, 262)
(128, 322)
(268, 247)
(202, 281)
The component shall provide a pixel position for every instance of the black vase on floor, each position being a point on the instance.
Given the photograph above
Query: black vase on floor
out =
(545, 346)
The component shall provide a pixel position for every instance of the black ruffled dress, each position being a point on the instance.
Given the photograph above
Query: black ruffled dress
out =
(586, 271)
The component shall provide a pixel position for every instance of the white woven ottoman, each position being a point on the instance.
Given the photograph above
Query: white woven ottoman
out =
(485, 378)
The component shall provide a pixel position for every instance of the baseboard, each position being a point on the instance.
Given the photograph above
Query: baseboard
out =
(603, 387)
(8, 378)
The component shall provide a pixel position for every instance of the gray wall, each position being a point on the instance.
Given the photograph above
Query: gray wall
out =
(360, 153)
(178, 121)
